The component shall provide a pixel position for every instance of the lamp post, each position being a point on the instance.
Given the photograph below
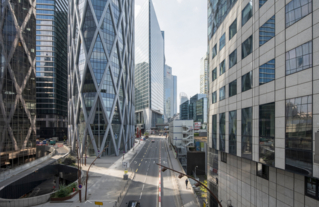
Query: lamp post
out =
(198, 183)
(195, 172)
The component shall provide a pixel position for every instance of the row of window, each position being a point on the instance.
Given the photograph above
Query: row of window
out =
(247, 84)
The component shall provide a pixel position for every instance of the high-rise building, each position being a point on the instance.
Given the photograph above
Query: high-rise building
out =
(149, 68)
(51, 68)
(169, 92)
(182, 98)
(204, 83)
(193, 105)
(101, 76)
(264, 98)
(184, 110)
(175, 94)
(17, 83)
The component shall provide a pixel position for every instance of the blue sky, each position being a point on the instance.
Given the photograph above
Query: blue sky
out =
(185, 26)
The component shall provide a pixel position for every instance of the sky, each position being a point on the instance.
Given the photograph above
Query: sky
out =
(185, 26)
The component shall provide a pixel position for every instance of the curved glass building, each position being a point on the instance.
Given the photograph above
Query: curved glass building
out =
(100, 76)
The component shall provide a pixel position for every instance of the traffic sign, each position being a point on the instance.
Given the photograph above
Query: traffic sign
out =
(98, 203)
(80, 186)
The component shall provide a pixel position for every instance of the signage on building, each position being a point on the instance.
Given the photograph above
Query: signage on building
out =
(197, 125)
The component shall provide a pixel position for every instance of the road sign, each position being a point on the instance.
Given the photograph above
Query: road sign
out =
(80, 186)
(98, 203)
(125, 171)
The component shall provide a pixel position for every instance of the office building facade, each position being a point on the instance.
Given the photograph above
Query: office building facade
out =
(170, 89)
(51, 68)
(174, 94)
(263, 117)
(101, 76)
(149, 60)
(182, 98)
(204, 83)
(17, 84)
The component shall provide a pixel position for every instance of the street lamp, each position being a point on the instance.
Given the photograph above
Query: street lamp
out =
(198, 183)
(195, 172)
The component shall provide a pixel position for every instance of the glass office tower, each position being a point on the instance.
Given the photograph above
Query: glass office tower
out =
(204, 83)
(168, 93)
(149, 69)
(17, 84)
(101, 76)
(174, 94)
(51, 68)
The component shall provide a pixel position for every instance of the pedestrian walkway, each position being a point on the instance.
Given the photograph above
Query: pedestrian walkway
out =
(105, 183)
(60, 152)
(187, 195)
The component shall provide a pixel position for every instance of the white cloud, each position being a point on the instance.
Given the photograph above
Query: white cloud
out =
(179, 1)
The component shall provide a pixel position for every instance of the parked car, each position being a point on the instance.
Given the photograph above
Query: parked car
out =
(134, 204)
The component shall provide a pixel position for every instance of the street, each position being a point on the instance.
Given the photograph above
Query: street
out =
(144, 187)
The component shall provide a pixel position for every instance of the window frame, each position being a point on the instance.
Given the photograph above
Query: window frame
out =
(251, 81)
(229, 88)
(224, 68)
(230, 27)
(316, 188)
(223, 156)
(262, 4)
(292, 9)
(223, 87)
(214, 94)
(214, 53)
(296, 58)
(266, 176)
(266, 25)
(249, 14)
(234, 53)
(274, 70)
(214, 72)
(242, 47)
(222, 38)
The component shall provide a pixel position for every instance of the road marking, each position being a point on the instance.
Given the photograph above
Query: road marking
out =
(141, 159)
(139, 164)
(136, 170)
(141, 195)
(143, 187)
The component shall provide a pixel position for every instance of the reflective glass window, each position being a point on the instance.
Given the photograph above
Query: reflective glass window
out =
(222, 131)
(222, 41)
(233, 59)
(262, 2)
(233, 29)
(247, 13)
(246, 129)
(214, 97)
(214, 51)
(222, 68)
(44, 11)
(267, 31)
(267, 72)
(214, 131)
(233, 88)
(247, 81)
(223, 157)
(233, 132)
(299, 58)
(267, 134)
(312, 187)
(262, 171)
(296, 10)
(247, 47)
(299, 135)
(222, 93)
(214, 74)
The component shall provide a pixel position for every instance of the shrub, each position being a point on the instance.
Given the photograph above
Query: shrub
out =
(69, 161)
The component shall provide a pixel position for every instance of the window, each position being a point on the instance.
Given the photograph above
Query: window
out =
(214, 74)
(267, 134)
(222, 93)
(214, 97)
(222, 42)
(296, 10)
(267, 31)
(247, 81)
(262, 2)
(233, 88)
(222, 131)
(247, 47)
(299, 135)
(246, 129)
(214, 131)
(233, 29)
(233, 58)
(262, 171)
(247, 13)
(233, 132)
(222, 68)
(312, 187)
(299, 58)
(223, 157)
(214, 51)
(267, 72)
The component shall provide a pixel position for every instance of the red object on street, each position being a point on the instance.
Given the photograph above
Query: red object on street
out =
(54, 187)
(73, 189)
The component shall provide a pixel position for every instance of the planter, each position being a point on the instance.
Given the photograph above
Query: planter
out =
(65, 198)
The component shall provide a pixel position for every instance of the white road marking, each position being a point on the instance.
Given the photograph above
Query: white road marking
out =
(143, 187)
(141, 195)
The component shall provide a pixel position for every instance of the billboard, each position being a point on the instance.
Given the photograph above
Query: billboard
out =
(197, 125)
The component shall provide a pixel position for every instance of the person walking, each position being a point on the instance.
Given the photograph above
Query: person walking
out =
(186, 181)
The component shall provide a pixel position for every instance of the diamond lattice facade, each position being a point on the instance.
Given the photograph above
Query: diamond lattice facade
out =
(101, 75)
(17, 83)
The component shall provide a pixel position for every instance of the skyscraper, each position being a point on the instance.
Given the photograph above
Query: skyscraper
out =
(264, 98)
(149, 69)
(169, 90)
(175, 94)
(101, 68)
(204, 83)
(17, 83)
(51, 68)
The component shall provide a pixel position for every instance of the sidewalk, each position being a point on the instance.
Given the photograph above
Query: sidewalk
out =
(187, 195)
(60, 152)
(105, 183)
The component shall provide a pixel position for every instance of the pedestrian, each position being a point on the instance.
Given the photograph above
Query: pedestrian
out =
(186, 181)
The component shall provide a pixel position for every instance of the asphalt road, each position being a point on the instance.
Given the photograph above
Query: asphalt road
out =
(144, 187)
